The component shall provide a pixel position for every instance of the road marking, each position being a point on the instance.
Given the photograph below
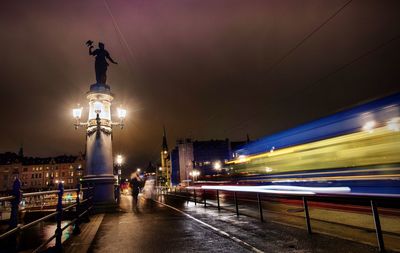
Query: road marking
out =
(219, 231)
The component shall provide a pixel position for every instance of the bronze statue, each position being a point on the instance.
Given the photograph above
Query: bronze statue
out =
(101, 63)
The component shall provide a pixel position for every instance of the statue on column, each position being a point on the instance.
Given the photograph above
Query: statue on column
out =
(101, 63)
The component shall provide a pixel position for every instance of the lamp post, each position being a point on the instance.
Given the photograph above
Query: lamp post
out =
(119, 161)
(99, 158)
(194, 174)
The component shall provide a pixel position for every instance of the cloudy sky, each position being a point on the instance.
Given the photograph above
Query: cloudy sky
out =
(207, 69)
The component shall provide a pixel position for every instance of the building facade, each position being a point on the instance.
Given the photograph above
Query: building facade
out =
(200, 160)
(175, 173)
(211, 156)
(38, 173)
(185, 151)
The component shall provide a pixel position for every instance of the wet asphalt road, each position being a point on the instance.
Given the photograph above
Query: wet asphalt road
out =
(157, 228)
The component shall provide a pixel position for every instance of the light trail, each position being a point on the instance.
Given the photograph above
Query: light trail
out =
(347, 171)
(335, 178)
(257, 189)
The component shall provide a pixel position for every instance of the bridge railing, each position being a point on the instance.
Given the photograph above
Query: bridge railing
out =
(82, 209)
(199, 195)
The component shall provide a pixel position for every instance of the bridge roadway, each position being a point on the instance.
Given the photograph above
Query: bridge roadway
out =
(173, 225)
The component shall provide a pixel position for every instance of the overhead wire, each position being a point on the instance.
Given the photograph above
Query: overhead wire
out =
(335, 71)
(299, 44)
(354, 60)
(129, 57)
(293, 49)
(118, 30)
(309, 35)
(122, 40)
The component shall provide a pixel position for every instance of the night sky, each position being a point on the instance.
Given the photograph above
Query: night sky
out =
(207, 69)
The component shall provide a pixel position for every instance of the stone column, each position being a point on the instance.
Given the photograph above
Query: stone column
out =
(99, 158)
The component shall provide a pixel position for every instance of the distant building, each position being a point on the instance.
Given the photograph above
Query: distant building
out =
(38, 173)
(185, 152)
(175, 173)
(207, 158)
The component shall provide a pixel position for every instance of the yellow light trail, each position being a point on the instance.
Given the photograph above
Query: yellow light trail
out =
(337, 178)
(379, 147)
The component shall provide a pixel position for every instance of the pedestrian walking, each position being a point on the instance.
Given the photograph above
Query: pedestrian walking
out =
(135, 186)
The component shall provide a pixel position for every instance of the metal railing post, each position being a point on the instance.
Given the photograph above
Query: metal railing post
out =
(204, 197)
(117, 193)
(90, 202)
(59, 217)
(16, 192)
(86, 195)
(194, 194)
(76, 229)
(13, 223)
(260, 207)
(378, 229)
(307, 215)
(219, 207)
(236, 203)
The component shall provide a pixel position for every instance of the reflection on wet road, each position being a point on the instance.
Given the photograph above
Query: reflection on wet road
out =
(156, 228)
(177, 226)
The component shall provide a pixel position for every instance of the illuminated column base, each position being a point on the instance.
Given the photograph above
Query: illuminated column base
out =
(103, 189)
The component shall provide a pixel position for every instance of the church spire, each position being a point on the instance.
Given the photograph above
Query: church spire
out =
(164, 144)
(21, 152)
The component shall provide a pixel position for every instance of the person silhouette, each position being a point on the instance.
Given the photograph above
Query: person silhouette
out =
(135, 186)
(101, 63)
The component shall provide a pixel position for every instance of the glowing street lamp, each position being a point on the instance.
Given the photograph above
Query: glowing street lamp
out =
(217, 165)
(121, 115)
(77, 113)
(194, 174)
(120, 160)
(98, 109)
